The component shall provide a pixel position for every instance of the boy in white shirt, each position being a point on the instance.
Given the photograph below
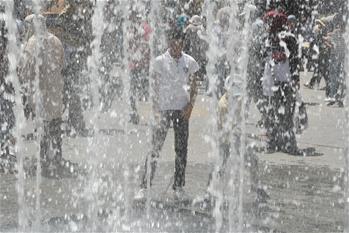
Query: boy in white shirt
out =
(174, 86)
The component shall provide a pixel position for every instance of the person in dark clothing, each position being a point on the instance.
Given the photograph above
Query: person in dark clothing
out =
(7, 116)
(337, 60)
(280, 84)
(195, 45)
(75, 31)
(112, 50)
(139, 50)
(321, 68)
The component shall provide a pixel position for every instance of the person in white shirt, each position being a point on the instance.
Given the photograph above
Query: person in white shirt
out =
(174, 86)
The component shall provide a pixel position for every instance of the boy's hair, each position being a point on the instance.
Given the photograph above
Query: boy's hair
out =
(175, 34)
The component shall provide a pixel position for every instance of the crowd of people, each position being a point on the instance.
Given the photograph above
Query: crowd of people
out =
(330, 48)
(54, 58)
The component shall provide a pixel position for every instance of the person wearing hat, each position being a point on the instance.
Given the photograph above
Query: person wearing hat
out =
(292, 23)
(321, 69)
(182, 21)
(280, 82)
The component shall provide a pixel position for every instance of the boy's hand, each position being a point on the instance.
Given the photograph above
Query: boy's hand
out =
(186, 112)
(13, 140)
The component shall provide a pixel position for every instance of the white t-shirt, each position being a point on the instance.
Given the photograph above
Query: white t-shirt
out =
(173, 80)
(275, 72)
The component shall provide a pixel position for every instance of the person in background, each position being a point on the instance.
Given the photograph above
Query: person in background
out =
(255, 68)
(182, 22)
(321, 71)
(280, 83)
(112, 52)
(221, 32)
(336, 41)
(195, 44)
(139, 59)
(174, 86)
(229, 130)
(292, 24)
(72, 23)
(45, 63)
(193, 7)
(7, 116)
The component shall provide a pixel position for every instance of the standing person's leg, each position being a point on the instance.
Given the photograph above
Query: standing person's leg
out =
(181, 130)
(262, 106)
(316, 78)
(56, 136)
(76, 117)
(270, 124)
(45, 144)
(73, 102)
(280, 112)
(134, 75)
(220, 166)
(288, 138)
(341, 85)
(316, 74)
(332, 79)
(325, 71)
(158, 138)
(72, 98)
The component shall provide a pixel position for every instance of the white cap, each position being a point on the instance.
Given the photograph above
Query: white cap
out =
(195, 20)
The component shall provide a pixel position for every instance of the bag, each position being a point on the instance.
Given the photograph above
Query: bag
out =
(300, 118)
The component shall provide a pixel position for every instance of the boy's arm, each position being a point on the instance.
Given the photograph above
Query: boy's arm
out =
(193, 88)
(193, 92)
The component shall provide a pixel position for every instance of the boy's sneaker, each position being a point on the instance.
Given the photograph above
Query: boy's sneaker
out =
(308, 85)
(329, 99)
(141, 194)
(134, 119)
(179, 194)
(262, 196)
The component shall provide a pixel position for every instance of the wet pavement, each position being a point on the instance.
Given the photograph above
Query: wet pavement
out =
(306, 192)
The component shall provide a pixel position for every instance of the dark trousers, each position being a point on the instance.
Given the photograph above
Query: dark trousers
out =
(72, 99)
(321, 70)
(51, 142)
(337, 78)
(279, 122)
(181, 131)
(138, 88)
(226, 152)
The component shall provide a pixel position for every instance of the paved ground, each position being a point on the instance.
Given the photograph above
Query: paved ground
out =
(307, 193)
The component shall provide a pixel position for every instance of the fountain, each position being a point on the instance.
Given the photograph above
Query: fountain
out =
(101, 197)
(346, 150)
(12, 46)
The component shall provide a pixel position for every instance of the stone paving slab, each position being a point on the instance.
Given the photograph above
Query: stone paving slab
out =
(307, 193)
